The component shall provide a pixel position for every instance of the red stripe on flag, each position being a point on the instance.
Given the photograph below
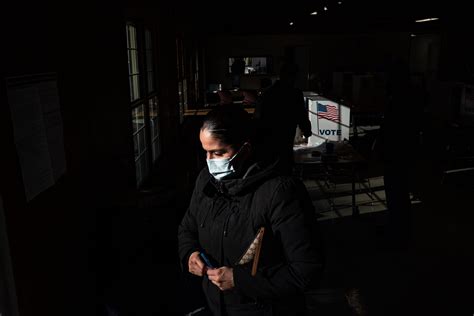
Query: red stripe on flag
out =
(331, 114)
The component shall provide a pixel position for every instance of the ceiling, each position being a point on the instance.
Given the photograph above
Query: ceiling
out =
(341, 16)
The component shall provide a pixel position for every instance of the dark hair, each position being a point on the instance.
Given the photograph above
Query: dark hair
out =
(230, 124)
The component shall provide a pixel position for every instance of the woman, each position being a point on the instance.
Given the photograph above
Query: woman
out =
(234, 197)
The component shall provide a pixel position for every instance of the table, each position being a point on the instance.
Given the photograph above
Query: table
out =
(204, 111)
(310, 159)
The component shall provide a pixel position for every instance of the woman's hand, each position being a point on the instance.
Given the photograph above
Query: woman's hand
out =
(195, 265)
(222, 277)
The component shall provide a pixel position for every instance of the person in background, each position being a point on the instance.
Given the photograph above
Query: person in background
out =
(281, 109)
(237, 70)
(238, 203)
(402, 129)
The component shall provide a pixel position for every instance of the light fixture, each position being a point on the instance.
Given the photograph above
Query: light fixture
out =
(314, 13)
(412, 35)
(426, 20)
(339, 2)
(325, 8)
(291, 23)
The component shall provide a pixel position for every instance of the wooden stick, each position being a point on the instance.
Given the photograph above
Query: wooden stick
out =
(257, 251)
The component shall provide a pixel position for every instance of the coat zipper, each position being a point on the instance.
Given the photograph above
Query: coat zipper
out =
(232, 212)
(226, 223)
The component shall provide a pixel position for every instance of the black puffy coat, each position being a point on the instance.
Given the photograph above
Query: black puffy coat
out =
(223, 219)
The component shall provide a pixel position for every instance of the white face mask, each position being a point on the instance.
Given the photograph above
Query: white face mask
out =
(220, 168)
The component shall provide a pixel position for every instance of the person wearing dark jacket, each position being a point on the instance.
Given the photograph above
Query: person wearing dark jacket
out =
(237, 69)
(280, 110)
(233, 199)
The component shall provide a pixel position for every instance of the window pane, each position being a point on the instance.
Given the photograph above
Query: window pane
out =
(131, 88)
(134, 58)
(127, 31)
(136, 87)
(135, 120)
(153, 112)
(137, 77)
(152, 128)
(129, 62)
(139, 117)
(135, 146)
(142, 143)
(150, 107)
(133, 36)
(153, 107)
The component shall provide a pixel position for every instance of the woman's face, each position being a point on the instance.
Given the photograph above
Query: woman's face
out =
(214, 148)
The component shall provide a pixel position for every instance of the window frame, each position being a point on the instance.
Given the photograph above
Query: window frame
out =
(144, 48)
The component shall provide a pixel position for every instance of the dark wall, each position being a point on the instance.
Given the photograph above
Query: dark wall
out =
(51, 236)
(327, 53)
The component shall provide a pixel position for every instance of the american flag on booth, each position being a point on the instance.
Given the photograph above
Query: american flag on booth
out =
(330, 112)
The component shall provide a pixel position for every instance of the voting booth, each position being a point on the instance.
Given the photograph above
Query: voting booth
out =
(330, 121)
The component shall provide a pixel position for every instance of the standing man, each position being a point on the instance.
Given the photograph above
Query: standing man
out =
(281, 110)
(237, 70)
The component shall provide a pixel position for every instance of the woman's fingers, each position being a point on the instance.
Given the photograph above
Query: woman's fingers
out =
(222, 277)
(195, 265)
